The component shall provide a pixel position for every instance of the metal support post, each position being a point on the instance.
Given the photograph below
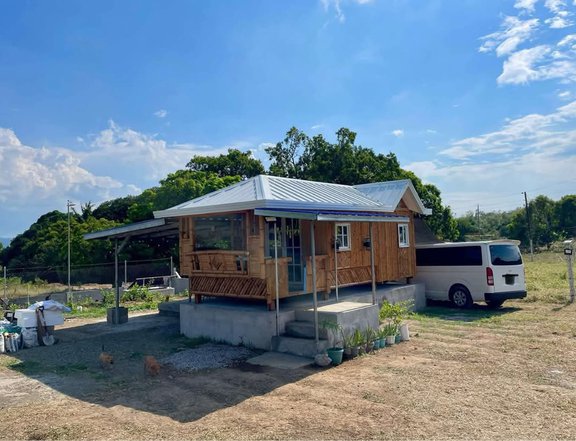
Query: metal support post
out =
(314, 291)
(372, 266)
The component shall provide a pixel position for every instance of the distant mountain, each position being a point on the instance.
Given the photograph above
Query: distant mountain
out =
(5, 241)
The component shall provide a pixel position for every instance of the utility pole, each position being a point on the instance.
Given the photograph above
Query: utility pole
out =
(69, 293)
(478, 220)
(528, 221)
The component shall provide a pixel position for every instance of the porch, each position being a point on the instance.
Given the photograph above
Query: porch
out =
(239, 321)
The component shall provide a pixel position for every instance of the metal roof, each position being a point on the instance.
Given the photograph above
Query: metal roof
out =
(333, 216)
(392, 192)
(149, 228)
(272, 192)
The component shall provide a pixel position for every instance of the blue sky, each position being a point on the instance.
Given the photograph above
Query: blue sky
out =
(103, 99)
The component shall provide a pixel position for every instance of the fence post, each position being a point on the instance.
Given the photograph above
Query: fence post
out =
(5, 287)
(126, 272)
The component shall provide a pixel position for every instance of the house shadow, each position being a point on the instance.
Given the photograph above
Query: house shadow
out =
(72, 367)
(446, 311)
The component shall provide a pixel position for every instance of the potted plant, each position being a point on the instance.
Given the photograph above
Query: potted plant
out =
(369, 339)
(335, 351)
(382, 338)
(390, 331)
(348, 341)
(357, 339)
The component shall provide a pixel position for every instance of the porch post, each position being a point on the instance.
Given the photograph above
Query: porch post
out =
(117, 296)
(373, 272)
(336, 258)
(314, 292)
(276, 275)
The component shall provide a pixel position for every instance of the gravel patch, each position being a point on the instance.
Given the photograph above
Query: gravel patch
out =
(208, 356)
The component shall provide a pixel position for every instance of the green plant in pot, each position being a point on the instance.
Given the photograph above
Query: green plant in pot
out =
(369, 339)
(335, 337)
(382, 337)
(358, 342)
(390, 331)
(348, 340)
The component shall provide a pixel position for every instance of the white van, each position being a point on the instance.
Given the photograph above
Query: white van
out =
(466, 272)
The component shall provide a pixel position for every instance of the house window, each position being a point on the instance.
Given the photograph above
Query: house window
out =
(225, 232)
(403, 239)
(343, 236)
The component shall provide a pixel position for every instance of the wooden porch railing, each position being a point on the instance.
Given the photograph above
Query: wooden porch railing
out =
(220, 262)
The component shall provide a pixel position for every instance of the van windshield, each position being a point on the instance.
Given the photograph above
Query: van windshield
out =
(505, 255)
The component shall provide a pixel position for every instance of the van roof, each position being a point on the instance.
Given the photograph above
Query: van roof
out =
(462, 244)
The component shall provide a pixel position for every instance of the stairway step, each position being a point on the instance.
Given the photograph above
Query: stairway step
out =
(304, 347)
(302, 329)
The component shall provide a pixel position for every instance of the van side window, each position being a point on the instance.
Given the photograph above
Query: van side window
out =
(403, 240)
(455, 256)
(505, 255)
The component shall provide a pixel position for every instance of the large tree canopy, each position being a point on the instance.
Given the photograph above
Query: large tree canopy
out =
(235, 163)
(302, 157)
(296, 156)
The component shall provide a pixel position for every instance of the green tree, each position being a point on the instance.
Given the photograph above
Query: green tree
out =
(235, 163)
(565, 214)
(343, 162)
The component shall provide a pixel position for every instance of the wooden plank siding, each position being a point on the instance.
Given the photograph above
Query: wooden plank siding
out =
(250, 274)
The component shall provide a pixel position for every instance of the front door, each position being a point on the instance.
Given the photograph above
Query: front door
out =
(292, 246)
(289, 245)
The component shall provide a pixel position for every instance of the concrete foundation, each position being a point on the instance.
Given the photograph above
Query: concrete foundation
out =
(116, 316)
(249, 323)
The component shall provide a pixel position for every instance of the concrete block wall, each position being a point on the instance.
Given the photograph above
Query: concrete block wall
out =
(232, 325)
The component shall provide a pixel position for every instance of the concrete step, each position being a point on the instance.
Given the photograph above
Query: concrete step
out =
(334, 310)
(304, 330)
(303, 347)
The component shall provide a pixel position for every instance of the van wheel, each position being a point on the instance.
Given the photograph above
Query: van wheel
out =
(460, 296)
(494, 304)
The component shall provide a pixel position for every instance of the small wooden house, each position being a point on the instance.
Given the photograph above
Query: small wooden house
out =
(270, 236)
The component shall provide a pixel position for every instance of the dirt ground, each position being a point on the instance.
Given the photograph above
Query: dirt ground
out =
(481, 374)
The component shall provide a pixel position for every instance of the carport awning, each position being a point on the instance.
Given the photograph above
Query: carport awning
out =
(334, 216)
(149, 228)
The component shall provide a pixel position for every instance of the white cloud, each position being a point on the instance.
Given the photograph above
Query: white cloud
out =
(568, 40)
(513, 33)
(117, 161)
(161, 113)
(336, 5)
(398, 133)
(532, 153)
(540, 61)
(317, 127)
(564, 95)
(529, 133)
(527, 5)
(44, 177)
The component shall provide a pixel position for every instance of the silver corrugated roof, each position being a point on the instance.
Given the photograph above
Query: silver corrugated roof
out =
(392, 192)
(283, 193)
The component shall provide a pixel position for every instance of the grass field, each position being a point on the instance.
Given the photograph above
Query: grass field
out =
(547, 278)
(465, 374)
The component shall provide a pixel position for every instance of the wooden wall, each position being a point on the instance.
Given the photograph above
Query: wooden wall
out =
(391, 261)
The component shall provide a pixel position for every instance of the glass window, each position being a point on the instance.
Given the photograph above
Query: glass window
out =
(343, 236)
(219, 232)
(505, 255)
(449, 256)
(403, 239)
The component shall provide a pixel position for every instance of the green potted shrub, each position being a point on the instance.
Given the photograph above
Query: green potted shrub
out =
(336, 351)
(390, 331)
(358, 339)
(382, 338)
(369, 339)
(348, 341)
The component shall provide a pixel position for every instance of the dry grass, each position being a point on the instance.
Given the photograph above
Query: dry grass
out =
(477, 374)
(547, 278)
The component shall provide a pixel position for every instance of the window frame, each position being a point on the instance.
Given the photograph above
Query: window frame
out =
(403, 238)
(348, 237)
